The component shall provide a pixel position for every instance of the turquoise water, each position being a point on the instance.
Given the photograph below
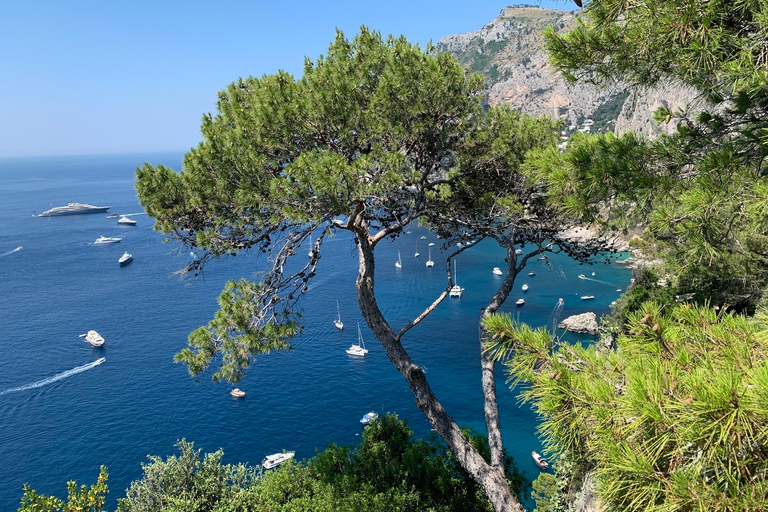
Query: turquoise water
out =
(61, 416)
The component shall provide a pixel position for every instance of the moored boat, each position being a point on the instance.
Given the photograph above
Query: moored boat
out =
(237, 393)
(368, 417)
(94, 339)
(126, 221)
(276, 459)
(497, 271)
(73, 209)
(539, 460)
(520, 302)
(359, 349)
(587, 297)
(125, 259)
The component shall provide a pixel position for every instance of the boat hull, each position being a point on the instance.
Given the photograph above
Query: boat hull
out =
(74, 209)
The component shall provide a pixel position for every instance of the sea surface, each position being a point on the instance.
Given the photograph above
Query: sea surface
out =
(61, 416)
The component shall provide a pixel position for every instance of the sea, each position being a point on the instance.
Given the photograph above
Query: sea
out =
(62, 416)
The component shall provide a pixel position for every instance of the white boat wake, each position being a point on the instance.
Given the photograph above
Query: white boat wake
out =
(11, 252)
(50, 380)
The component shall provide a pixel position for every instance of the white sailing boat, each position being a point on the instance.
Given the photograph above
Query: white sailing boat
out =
(430, 263)
(359, 349)
(456, 290)
(338, 323)
(311, 247)
(416, 254)
(399, 262)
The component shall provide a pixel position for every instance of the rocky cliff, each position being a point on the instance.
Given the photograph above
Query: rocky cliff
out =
(509, 52)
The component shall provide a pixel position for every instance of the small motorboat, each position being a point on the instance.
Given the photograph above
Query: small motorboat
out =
(497, 271)
(102, 240)
(518, 251)
(587, 297)
(520, 302)
(582, 276)
(100, 360)
(525, 287)
(237, 393)
(125, 221)
(94, 338)
(531, 274)
(368, 417)
(423, 238)
(112, 216)
(125, 259)
(276, 459)
(540, 461)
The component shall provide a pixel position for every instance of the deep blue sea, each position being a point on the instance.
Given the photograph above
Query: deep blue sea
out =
(61, 418)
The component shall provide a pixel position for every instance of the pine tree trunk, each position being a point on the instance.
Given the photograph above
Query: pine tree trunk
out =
(489, 476)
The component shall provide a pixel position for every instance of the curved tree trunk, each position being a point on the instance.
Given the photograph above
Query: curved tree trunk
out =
(490, 477)
(488, 365)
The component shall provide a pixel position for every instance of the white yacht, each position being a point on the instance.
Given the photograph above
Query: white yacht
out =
(102, 240)
(368, 417)
(520, 302)
(125, 221)
(237, 393)
(338, 323)
(456, 290)
(359, 349)
(525, 287)
(73, 209)
(497, 271)
(125, 259)
(94, 338)
(276, 459)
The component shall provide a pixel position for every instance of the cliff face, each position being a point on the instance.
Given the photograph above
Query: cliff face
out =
(637, 112)
(509, 52)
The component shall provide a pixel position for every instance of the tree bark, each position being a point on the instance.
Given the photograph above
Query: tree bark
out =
(488, 365)
(489, 476)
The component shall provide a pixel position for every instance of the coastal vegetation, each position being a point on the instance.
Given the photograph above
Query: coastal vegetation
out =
(376, 135)
(388, 470)
(670, 414)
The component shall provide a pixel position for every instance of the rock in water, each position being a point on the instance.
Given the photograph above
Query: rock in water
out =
(585, 323)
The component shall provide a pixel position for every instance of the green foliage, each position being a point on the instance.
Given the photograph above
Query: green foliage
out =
(191, 483)
(702, 190)
(387, 471)
(365, 131)
(86, 499)
(675, 418)
(544, 489)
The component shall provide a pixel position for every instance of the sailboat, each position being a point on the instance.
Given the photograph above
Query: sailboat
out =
(430, 263)
(456, 290)
(416, 254)
(338, 323)
(359, 349)
(311, 247)
(399, 262)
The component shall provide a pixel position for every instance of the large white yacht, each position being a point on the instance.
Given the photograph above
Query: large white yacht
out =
(106, 240)
(72, 209)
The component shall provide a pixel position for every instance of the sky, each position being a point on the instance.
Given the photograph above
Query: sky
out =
(93, 77)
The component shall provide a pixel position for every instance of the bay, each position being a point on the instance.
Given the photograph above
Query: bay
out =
(61, 417)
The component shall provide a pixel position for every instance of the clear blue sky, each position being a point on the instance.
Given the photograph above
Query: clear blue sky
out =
(90, 77)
